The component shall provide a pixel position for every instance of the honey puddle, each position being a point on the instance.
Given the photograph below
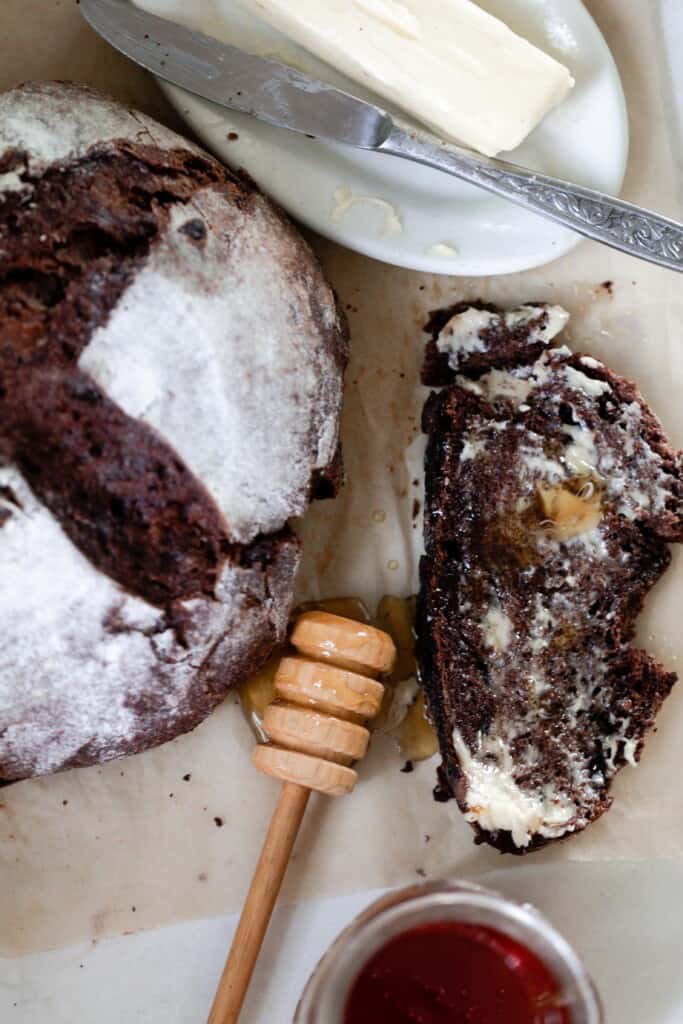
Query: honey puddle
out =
(402, 714)
(571, 509)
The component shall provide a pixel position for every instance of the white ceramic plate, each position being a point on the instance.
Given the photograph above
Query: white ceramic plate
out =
(425, 220)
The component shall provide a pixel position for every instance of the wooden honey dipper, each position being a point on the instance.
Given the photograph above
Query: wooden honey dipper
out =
(323, 695)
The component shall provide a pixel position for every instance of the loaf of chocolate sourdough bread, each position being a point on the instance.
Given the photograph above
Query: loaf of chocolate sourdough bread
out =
(551, 495)
(171, 364)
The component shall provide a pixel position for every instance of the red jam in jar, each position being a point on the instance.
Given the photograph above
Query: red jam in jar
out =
(455, 973)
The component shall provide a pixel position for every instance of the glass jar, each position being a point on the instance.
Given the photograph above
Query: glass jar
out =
(325, 997)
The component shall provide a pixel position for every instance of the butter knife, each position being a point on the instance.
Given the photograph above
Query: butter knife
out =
(287, 98)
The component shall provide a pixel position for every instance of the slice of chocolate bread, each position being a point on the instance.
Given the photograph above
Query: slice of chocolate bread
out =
(551, 494)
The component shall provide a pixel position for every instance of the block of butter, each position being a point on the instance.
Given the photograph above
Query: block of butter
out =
(450, 64)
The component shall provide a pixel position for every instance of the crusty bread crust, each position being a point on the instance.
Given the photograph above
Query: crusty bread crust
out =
(171, 363)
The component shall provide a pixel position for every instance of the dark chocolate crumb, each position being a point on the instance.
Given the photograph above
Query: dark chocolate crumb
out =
(194, 229)
(232, 136)
(186, 778)
(408, 767)
(218, 822)
(427, 838)
(421, 872)
(441, 794)
(64, 803)
(608, 286)
(416, 507)
(133, 909)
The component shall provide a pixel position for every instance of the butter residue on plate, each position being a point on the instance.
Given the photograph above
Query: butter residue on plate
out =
(443, 249)
(345, 200)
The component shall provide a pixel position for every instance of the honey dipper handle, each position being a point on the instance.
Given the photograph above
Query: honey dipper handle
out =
(258, 907)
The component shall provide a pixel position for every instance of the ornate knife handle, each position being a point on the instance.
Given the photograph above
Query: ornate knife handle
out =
(602, 217)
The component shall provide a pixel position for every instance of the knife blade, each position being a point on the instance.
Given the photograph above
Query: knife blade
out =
(262, 88)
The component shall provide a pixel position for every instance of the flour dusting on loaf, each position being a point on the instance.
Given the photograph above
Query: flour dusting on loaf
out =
(262, 394)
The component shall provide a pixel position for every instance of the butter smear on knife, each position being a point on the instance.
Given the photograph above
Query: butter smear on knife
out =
(452, 65)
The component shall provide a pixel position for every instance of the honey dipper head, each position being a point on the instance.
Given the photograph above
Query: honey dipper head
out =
(324, 694)
(344, 642)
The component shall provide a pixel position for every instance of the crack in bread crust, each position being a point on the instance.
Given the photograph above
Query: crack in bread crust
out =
(120, 492)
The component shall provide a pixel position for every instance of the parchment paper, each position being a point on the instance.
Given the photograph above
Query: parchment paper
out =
(174, 833)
